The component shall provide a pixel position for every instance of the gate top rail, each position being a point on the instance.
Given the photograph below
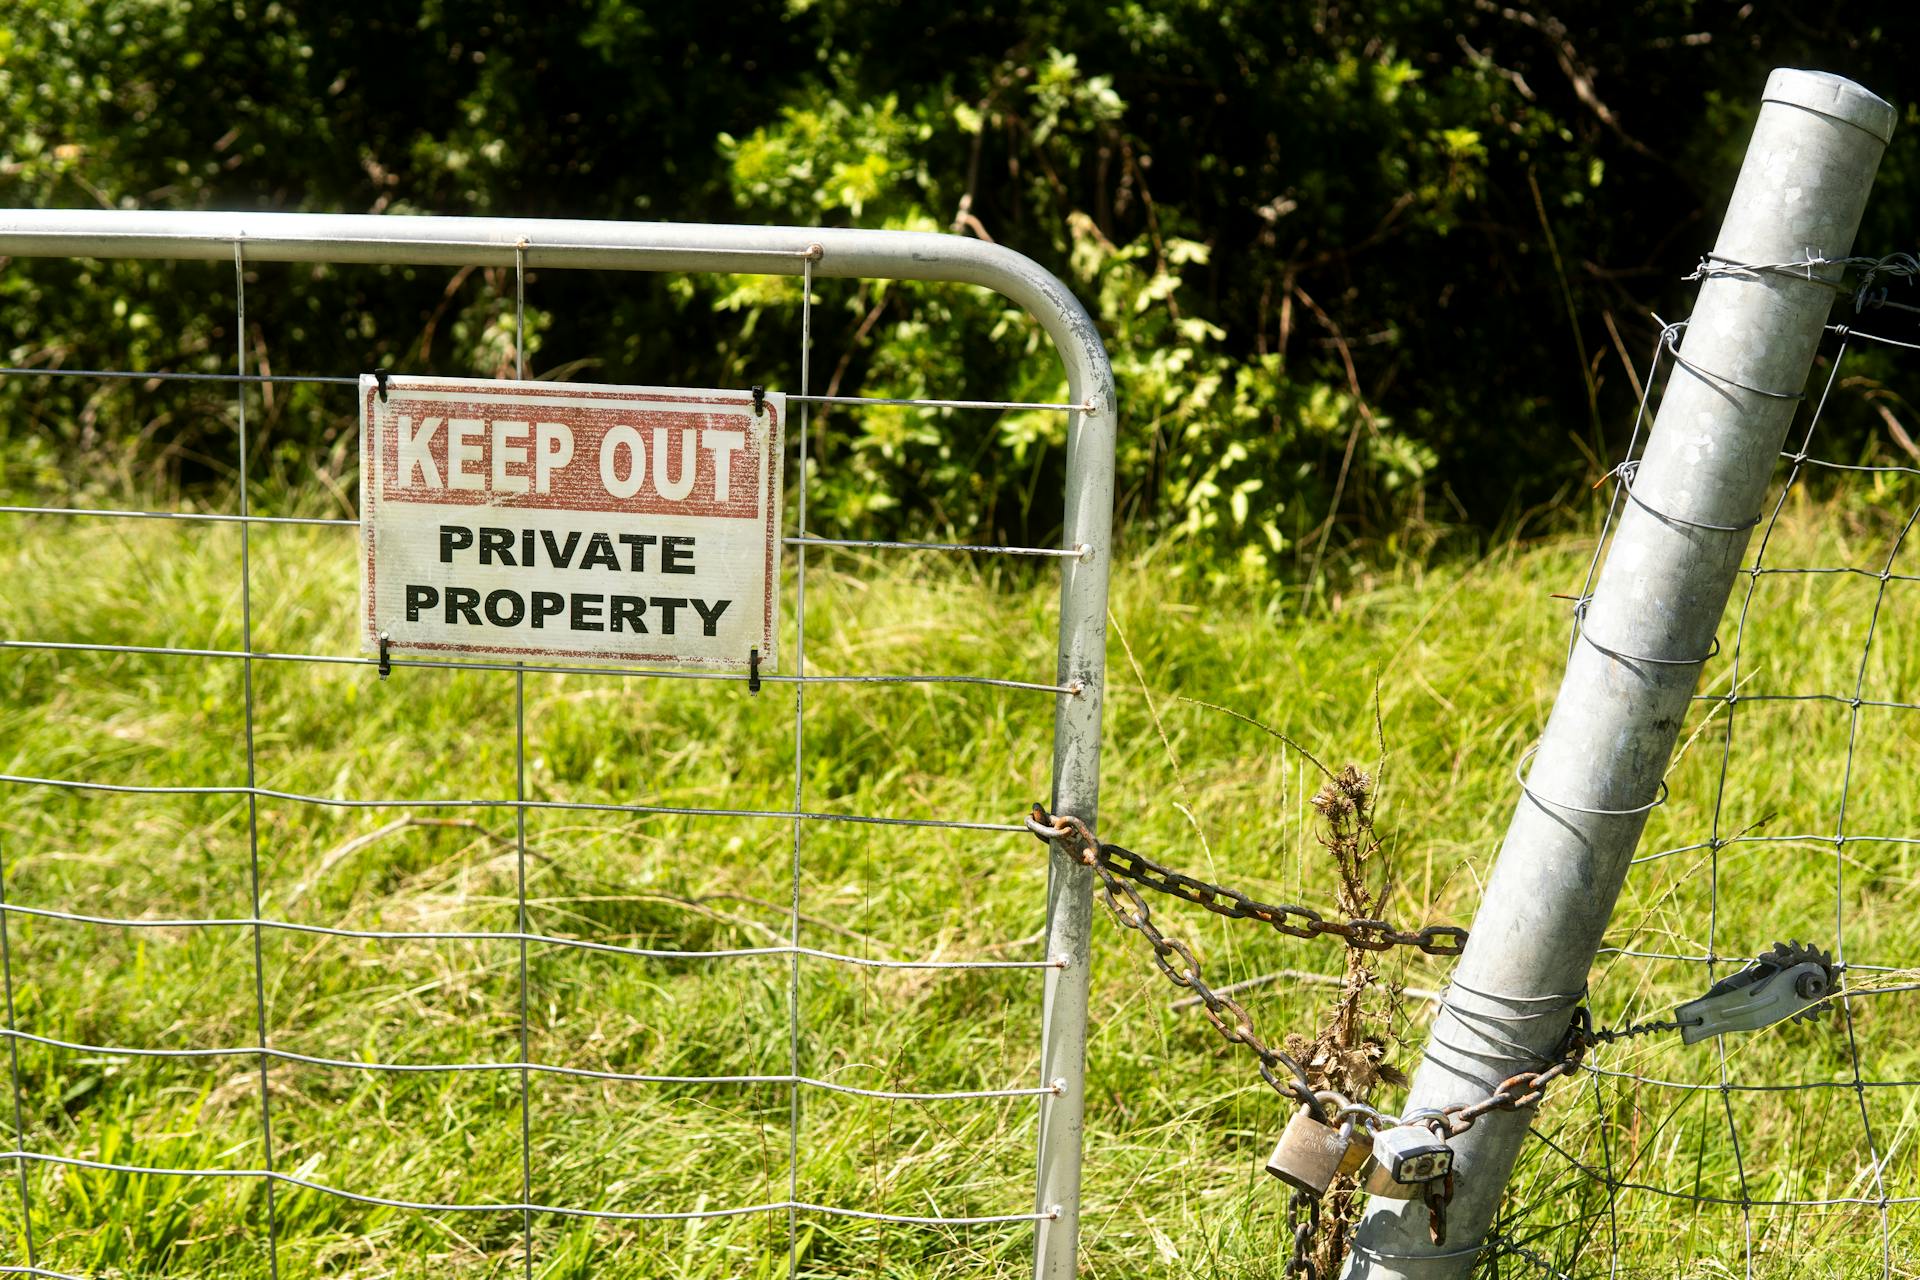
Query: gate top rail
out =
(581, 243)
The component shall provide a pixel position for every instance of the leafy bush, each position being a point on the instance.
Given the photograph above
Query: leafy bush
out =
(1367, 271)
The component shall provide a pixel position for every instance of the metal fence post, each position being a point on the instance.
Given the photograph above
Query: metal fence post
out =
(1656, 605)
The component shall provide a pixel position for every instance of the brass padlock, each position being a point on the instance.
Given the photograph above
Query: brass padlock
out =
(1312, 1153)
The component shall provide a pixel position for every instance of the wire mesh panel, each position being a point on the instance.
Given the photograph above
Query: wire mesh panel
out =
(1789, 822)
(554, 967)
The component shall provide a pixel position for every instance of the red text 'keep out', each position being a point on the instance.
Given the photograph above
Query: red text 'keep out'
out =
(571, 456)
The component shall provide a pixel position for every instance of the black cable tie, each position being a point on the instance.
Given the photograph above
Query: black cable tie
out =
(759, 400)
(753, 662)
(380, 376)
(386, 658)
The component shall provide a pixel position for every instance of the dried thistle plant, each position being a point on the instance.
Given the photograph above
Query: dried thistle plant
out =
(1348, 1054)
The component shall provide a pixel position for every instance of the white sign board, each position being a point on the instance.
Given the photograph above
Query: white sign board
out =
(552, 520)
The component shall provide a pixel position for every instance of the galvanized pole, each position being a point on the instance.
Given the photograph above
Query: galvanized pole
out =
(1702, 480)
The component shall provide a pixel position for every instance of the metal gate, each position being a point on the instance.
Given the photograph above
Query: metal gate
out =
(577, 245)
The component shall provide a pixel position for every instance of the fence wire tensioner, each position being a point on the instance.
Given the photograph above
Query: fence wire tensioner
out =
(1790, 981)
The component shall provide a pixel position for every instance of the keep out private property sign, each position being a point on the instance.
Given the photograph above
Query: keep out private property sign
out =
(552, 520)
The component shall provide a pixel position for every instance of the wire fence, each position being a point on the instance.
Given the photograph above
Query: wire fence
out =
(1787, 1151)
(263, 931)
(1791, 1151)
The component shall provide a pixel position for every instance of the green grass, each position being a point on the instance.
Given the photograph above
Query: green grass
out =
(1464, 660)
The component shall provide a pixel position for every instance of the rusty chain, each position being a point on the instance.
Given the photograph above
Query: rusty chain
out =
(1516, 1092)
(1120, 869)
(1226, 1013)
(1437, 1196)
(1110, 863)
(1529, 1087)
(1365, 935)
(1303, 1223)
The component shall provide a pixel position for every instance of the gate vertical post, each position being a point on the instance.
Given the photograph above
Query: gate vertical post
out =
(1087, 524)
(1709, 458)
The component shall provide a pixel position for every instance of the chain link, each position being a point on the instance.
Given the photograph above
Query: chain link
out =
(1437, 1196)
(1515, 1092)
(1120, 869)
(1529, 1087)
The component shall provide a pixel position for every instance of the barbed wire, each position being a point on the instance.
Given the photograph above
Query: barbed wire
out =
(1871, 272)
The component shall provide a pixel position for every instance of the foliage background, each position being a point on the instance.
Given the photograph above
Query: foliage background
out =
(1369, 273)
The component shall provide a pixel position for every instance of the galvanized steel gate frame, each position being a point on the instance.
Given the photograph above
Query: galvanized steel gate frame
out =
(1092, 420)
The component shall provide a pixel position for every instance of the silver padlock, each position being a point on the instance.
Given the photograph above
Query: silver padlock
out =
(1312, 1153)
(1380, 1183)
(1407, 1157)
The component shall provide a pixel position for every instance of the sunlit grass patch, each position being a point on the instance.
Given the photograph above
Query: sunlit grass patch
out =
(1453, 666)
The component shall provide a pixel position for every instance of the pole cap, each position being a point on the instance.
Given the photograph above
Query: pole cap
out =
(1835, 97)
